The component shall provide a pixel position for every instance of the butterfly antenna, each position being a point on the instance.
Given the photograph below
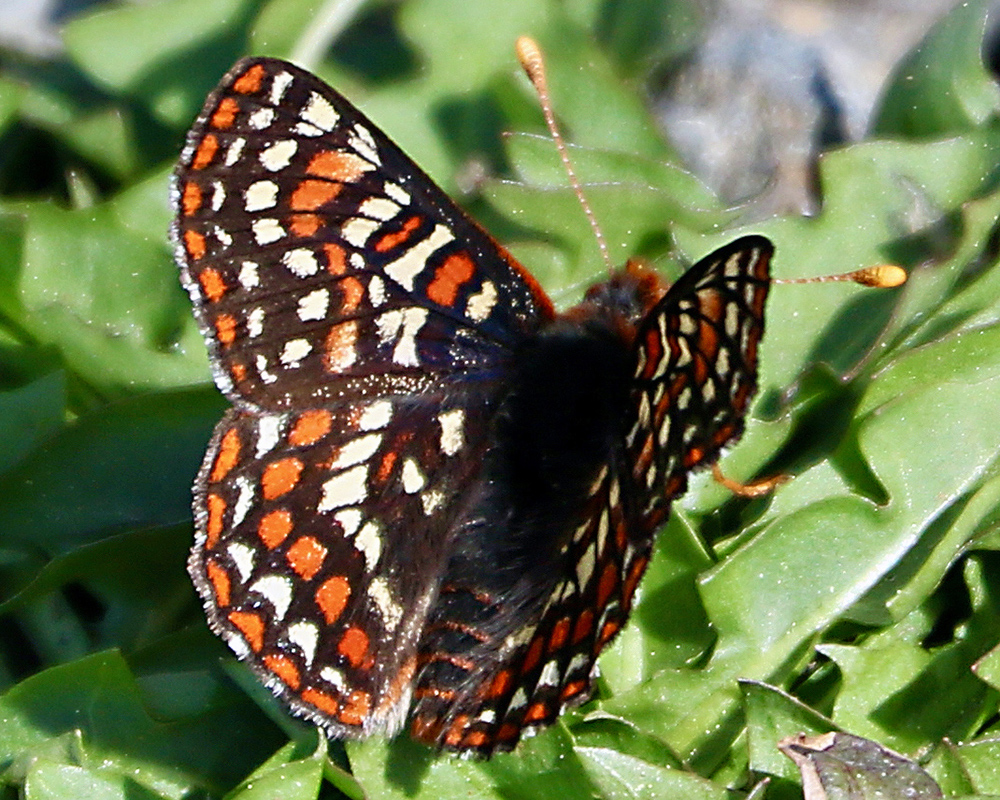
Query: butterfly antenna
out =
(530, 56)
(881, 276)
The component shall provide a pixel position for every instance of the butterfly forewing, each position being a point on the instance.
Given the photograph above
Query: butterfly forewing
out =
(696, 368)
(317, 253)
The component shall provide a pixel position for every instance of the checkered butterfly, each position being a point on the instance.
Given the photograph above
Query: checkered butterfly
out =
(434, 496)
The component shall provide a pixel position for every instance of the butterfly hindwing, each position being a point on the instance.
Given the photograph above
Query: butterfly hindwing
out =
(299, 557)
(696, 368)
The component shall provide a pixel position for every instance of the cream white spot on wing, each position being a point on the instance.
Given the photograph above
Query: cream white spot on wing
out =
(452, 434)
(255, 322)
(279, 86)
(376, 416)
(260, 195)
(304, 635)
(261, 119)
(550, 674)
(413, 478)
(278, 156)
(268, 434)
(369, 543)
(319, 112)
(301, 262)
(397, 193)
(356, 230)
(234, 151)
(405, 353)
(431, 501)
(314, 305)
(378, 208)
(356, 451)
(265, 375)
(347, 488)
(294, 351)
(277, 590)
(267, 231)
(349, 519)
(249, 277)
(218, 195)
(336, 679)
(243, 558)
(223, 237)
(479, 305)
(244, 500)
(381, 595)
(376, 291)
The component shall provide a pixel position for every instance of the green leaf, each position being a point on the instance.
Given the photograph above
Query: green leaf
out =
(942, 88)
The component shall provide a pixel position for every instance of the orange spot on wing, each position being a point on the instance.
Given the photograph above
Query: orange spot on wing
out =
(559, 635)
(274, 527)
(212, 284)
(207, 148)
(449, 278)
(194, 245)
(311, 194)
(609, 580)
(280, 477)
(332, 596)
(584, 626)
(607, 633)
(353, 291)
(310, 427)
(250, 81)
(533, 655)
(537, 712)
(225, 114)
(213, 529)
(356, 709)
(337, 165)
(191, 198)
(306, 557)
(654, 353)
(336, 261)
(508, 732)
(284, 668)
(572, 689)
(220, 583)
(475, 739)
(225, 328)
(353, 646)
(500, 685)
(385, 467)
(693, 456)
(324, 702)
(251, 626)
(340, 343)
(391, 240)
(229, 454)
(238, 371)
(304, 225)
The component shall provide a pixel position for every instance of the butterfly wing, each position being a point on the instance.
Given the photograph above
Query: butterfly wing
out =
(362, 325)
(320, 259)
(695, 362)
(696, 369)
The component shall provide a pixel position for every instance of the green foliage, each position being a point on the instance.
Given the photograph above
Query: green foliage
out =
(863, 596)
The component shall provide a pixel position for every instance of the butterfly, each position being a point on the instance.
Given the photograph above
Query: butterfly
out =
(434, 496)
